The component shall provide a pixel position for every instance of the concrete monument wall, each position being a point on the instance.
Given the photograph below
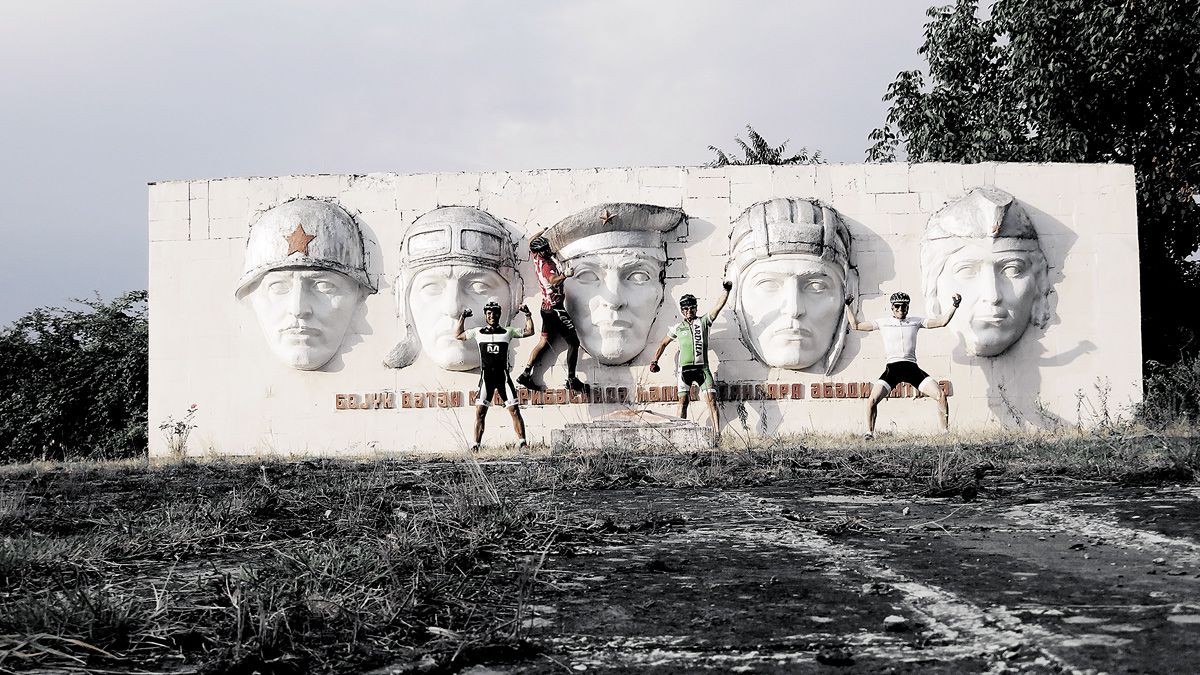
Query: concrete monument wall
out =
(316, 314)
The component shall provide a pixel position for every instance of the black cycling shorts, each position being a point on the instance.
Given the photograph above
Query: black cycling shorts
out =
(902, 371)
(556, 322)
(700, 376)
(490, 382)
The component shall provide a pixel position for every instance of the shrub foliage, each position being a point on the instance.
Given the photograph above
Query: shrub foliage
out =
(73, 381)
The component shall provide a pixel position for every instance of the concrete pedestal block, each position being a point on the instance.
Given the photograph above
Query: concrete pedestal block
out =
(632, 430)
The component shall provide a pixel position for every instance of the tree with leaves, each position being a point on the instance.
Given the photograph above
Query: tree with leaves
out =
(1072, 81)
(73, 381)
(759, 151)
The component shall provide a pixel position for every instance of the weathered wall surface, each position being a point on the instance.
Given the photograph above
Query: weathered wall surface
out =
(209, 345)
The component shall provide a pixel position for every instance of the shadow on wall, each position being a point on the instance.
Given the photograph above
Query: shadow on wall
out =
(867, 243)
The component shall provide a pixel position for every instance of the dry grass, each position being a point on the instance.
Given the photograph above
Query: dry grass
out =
(311, 566)
(301, 567)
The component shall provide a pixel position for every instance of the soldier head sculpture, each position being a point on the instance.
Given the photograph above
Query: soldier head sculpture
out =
(790, 263)
(305, 276)
(451, 259)
(984, 247)
(619, 257)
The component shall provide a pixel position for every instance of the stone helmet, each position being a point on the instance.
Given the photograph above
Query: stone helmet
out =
(450, 235)
(614, 225)
(784, 226)
(305, 233)
(780, 226)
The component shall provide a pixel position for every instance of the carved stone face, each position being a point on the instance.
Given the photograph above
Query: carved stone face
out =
(436, 298)
(305, 313)
(613, 298)
(790, 308)
(998, 282)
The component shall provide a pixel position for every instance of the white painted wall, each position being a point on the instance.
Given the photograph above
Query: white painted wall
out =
(206, 347)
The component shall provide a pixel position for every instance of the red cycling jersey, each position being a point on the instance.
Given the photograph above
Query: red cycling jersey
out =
(552, 294)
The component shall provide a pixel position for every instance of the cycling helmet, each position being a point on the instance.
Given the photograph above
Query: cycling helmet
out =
(492, 306)
(899, 298)
(539, 244)
(688, 300)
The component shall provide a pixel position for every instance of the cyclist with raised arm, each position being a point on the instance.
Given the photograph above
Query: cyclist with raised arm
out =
(900, 345)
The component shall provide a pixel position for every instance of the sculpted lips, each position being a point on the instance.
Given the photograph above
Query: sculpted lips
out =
(792, 333)
(301, 330)
(991, 319)
(613, 327)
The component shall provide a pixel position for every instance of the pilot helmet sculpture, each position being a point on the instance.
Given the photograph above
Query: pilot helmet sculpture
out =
(619, 257)
(789, 260)
(984, 246)
(452, 258)
(305, 276)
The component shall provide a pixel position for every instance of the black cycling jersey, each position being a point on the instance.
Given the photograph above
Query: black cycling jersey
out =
(493, 347)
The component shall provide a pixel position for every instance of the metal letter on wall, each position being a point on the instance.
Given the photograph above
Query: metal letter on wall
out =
(984, 246)
(304, 274)
(452, 258)
(789, 260)
(618, 254)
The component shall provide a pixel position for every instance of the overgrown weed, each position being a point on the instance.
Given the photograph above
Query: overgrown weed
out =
(1172, 395)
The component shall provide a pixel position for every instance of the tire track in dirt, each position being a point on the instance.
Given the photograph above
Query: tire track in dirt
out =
(968, 629)
(1066, 518)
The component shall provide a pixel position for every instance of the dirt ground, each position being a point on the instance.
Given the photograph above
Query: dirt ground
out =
(1078, 577)
(773, 561)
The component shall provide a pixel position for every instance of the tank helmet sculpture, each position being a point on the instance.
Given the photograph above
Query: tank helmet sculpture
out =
(305, 233)
(783, 226)
(798, 233)
(444, 237)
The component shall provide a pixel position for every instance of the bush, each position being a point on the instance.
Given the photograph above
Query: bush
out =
(73, 381)
(1172, 394)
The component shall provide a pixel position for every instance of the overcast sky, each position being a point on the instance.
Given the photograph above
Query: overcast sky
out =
(100, 98)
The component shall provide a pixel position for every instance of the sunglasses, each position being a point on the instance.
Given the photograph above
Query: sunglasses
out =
(900, 306)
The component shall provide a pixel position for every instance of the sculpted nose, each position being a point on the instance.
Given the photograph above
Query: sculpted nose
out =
(989, 288)
(793, 299)
(452, 301)
(299, 302)
(610, 290)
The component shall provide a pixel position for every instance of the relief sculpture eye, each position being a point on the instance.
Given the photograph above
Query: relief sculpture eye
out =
(966, 271)
(638, 276)
(587, 276)
(1014, 270)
